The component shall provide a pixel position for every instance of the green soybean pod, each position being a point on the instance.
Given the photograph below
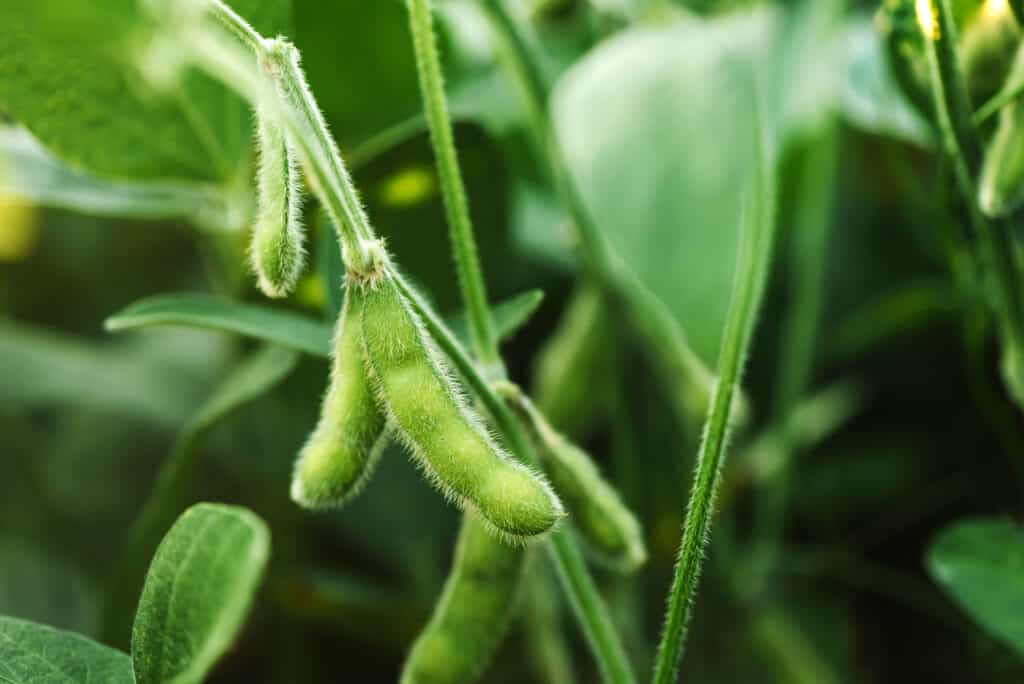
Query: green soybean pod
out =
(474, 610)
(603, 521)
(430, 416)
(339, 455)
(276, 250)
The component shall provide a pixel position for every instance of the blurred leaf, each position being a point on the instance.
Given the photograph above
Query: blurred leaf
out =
(509, 316)
(673, 218)
(981, 564)
(41, 368)
(40, 586)
(217, 313)
(35, 654)
(871, 99)
(66, 74)
(198, 592)
(29, 172)
(279, 326)
(249, 380)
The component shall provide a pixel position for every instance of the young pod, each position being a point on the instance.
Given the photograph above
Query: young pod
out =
(430, 416)
(276, 250)
(609, 529)
(473, 612)
(338, 457)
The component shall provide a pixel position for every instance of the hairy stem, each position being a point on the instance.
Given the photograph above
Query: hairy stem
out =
(334, 188)
(471, 280)
(751, 274)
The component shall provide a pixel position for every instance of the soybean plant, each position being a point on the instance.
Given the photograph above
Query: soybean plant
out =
(401, 363)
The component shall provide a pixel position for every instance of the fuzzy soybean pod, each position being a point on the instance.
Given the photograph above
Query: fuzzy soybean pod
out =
(610, 530)
(474, 610)
(430, 416)
(276, 251)
(339, 455)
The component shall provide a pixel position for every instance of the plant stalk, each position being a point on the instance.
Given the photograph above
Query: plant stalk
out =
(334, 188)
(453, 190)
(752, 271)
(964, 145)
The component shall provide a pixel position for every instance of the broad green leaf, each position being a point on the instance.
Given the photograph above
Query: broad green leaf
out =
(68, 73)
(29, 172)
(31, 653)
(198, 592)
(278, 326)
(288, 329)
(981, 564)
(656, 126)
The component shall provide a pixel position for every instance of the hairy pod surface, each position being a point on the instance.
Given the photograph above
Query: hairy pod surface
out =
(604, 522)
(339, 455)
(473, 612)
(416, 389)
(276, 251)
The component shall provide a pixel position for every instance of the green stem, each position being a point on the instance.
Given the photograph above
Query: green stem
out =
(471, 280)
(751, 274)
(282, 82)
(588, 607)
(334, 187)
(963, 143)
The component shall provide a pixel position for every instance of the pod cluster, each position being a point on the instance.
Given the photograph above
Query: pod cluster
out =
(388, 377)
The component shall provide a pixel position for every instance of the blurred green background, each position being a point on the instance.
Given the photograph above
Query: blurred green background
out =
(904, 425)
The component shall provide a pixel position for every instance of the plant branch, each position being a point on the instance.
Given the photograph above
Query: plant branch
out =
(752, 270)
(471, 280)
(964, 146)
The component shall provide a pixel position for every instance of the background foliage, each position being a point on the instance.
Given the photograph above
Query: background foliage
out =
(901, 429)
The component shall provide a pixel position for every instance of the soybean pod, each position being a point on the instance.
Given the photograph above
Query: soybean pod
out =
(338, 457)
(609, 529)
(431, 417)
(473, 612)
(276, 251)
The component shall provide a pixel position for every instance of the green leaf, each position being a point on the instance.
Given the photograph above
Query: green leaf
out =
(36, 654)
(68, 73)
(673, 218)
(291, 330)
(43, 368)
(217, 313)
(177, 481)
(29, 172)
(981, 564)
(198, 591)
(509, 316)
